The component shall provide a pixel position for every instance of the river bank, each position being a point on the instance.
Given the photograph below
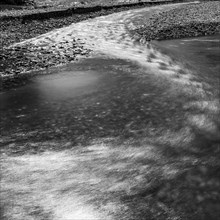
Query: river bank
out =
(191, 20)
(25, 24)
(17, 59)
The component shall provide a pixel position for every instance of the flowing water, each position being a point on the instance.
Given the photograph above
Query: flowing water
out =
(104, 138)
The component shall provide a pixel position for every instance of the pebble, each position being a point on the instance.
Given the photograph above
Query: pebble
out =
(185, 21)
(166, 25)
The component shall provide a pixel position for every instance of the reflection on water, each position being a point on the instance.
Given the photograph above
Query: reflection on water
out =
(66, 85)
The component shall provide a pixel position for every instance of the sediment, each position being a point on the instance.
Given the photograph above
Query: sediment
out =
(15, 59)
(182, 21)
(191, 20)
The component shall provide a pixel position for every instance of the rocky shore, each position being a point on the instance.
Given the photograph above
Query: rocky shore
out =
(176, 22)
(16, 59)
(185, 21)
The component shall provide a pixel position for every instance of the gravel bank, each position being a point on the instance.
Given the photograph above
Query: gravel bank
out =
(201, 19)
(184, 21)
(63, 8)
(19, 25)
(22, 59)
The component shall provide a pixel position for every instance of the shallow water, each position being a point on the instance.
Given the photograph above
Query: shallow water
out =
(94, 139)
(103, 96)
(94, 98)
(201, 55)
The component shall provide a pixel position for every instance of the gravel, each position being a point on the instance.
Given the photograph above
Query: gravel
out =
(185, 21)
(15, 59)
(182, 21)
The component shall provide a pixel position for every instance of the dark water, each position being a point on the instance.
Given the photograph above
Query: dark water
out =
(201, 55)
(102, 97)
(95, 98)
(112, 139)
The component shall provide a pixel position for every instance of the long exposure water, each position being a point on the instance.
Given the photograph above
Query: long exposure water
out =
(105, 137)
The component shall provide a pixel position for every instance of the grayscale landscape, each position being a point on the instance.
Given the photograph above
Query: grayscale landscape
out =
(109, 110)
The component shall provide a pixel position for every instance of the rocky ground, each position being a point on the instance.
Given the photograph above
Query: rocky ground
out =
(185, 21)
(16, 59)
(64, 3)
(182, 21)
(47, 6)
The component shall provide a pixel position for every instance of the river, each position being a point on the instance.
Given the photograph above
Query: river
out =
(108, 136)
